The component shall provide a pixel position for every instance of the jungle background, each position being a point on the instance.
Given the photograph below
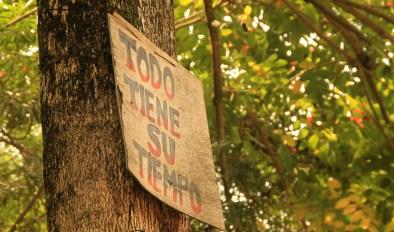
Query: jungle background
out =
(304, 91)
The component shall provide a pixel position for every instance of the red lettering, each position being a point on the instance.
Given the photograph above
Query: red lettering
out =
(195, 206)
(174, 195)
(170, 158)
(155, 187)
(169, 95)
(156, 151)
(174, 133)
(141, 170)
(130, 65)
(165, 123)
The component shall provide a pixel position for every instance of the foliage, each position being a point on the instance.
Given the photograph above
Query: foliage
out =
(20, 134)
(308, 147)
(285, 84)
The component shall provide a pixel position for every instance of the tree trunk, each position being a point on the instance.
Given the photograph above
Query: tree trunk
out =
(87, 184)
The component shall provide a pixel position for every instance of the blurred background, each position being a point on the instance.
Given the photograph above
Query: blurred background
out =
(307, 140)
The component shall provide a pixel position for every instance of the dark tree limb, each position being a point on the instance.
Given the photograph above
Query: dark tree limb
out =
(369, 9)
(363, 65)
(331, 14)
(357, 48)
(304, 19)
(364, 19)
(218, 96)
(375, 117)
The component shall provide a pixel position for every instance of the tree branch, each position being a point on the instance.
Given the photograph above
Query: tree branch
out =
(266, 146)
(356, 47)
(369, 9)
(196, 16)
(218, 82)
(331, 14)
(363, 18)
(375, 117)
(218, 95)
(367, 75)
(315, 29)
(8, 140)
(21, 17)
(187, 21)
(295, 76)
(27, 209)
(362, 64)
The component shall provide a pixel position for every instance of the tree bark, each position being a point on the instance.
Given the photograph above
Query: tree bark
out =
(87, 184)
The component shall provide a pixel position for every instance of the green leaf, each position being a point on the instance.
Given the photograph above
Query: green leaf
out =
(313, 141)
(303, 133)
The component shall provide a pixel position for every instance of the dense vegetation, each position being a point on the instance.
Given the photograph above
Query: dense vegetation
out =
(305, 91)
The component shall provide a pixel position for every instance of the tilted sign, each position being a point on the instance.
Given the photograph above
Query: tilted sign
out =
(164, 123)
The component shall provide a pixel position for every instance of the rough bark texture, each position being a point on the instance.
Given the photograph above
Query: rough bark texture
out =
(87, 184)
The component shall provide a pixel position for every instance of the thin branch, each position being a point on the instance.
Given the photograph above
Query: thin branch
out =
(27, 209)
(268, 148)
(331, 14)
(302, 72)
(375, 117)
(349, 58)
(218, 82)
(369, 9)
(298, 75)
(196, 16)
(221, 3)
(363, 18)
(28, 3)
(352, 40)
(189, 20)
(21, 17)
(362, 64)
(218, 95)
(10, 141)
(369, 78)
(315, 29)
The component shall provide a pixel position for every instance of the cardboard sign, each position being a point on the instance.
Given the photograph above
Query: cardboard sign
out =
(165, 127)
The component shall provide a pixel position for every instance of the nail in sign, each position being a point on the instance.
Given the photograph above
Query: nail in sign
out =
(165, 127)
